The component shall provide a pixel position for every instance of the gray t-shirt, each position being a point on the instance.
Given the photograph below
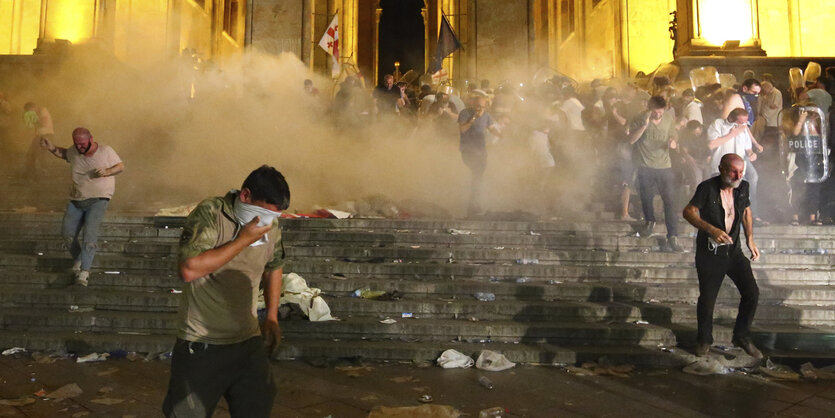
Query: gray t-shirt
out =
(653, 147)
(474, 138)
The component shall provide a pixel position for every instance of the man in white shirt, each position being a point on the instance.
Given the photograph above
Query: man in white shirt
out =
(732, 136)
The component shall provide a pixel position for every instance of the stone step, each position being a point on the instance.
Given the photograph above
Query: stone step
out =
(106, 231)
(55, 246)
(545, 273)
(616, 227)
(813, 296)
(54, 261)
(766, 243)
(782, 339)
(136, 280)
(543, 256)
(63, 299)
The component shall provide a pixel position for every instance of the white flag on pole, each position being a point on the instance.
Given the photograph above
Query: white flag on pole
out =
(330, 43)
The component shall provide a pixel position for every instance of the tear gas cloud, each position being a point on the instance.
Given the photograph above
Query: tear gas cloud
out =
(254, 111)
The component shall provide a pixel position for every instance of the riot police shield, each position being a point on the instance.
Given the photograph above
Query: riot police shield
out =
(806, 150)
(703, 76)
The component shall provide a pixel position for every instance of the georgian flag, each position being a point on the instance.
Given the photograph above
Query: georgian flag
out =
(330, 43)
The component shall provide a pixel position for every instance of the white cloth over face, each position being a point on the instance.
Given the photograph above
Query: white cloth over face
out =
(295, 290)
(245, 213)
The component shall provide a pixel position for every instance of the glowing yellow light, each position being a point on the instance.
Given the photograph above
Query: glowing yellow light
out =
(70, 19)
(725, 20)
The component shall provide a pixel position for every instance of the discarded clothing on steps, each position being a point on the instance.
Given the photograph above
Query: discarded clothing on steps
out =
(294, 289)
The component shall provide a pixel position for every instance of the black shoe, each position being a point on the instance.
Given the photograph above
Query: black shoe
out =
(701, 350)
(647, 230)
(672, 242)
(748, 346)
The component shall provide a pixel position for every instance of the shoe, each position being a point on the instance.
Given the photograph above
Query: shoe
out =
(82, 277)
(672, 242)
(647, 230)
(748, 346)
(76, 268)
(702, 349)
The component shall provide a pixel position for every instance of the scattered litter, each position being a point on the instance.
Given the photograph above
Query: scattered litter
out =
(493, 361)
(13, 350)
(40, 253)
(452, 359)
(294, 289)
(355, 371)
(459, 232)
(388, 321)
(367, 293)
(80, 309)
(42, 358)
(414, 246)
(80, 414)
(19, 402)
(133, 356)
(338, 276)
(41, 393)
(641, 322)
(407, 315)
(579, 371)
(535, 233)
(177, 211)
(498, 248)
(65, 392)
(527, 261)
(496, 411)
(107, 401)
(105, 389)
(810, 372)
(554, 281)
(405, 379)
(425, 399)
(485, 296)
(423, 411)
(112, 272)
(339, 214)
(778, 371)
(92, 357)
(522, 280)
(705, 366)
(108, 372)
(485, 382)
(175, 291)
(398, 261)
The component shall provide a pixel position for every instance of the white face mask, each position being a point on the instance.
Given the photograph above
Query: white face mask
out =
(245, 213)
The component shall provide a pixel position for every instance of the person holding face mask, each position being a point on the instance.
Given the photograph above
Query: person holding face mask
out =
(93, 168)
(230, 247)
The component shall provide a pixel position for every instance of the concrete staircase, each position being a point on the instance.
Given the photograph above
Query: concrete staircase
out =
(594, 290)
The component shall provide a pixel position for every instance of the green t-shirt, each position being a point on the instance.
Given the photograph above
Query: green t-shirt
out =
(653, 147)
(220, 308)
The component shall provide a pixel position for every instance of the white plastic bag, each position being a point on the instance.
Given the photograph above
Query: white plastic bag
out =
(493, 361)
(451, 359)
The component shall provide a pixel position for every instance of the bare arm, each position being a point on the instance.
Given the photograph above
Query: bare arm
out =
(111, 171)
(272, 294)
(636, 135)
(691, 214)
(748, 224)
(209, 261)
(464, 127)
(56, 151)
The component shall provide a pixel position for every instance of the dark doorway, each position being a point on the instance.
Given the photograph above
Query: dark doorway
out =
(401, 37)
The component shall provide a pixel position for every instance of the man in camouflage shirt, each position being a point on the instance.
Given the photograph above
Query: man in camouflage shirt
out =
(230, 245)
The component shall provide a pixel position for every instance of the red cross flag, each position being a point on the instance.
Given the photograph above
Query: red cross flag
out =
(330, 43)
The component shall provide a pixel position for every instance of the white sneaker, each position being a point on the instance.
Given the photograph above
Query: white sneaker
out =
(76, 267)
(82, 277)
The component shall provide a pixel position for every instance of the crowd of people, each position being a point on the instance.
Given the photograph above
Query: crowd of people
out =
(659, 138)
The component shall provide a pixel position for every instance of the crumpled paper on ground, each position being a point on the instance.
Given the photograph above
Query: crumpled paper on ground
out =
(423, 411)
(452, 359)
(295, 290)
(493, 361)
(67, 391)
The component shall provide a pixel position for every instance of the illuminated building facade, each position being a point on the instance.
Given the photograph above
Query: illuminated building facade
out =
(502, 39)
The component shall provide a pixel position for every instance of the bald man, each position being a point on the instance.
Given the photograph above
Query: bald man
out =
(93, 167)
(717, 209)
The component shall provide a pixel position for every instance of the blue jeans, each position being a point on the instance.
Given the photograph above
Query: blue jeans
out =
(88, 214)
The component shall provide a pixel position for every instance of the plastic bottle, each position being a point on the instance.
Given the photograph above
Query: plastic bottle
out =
(485, 297)
(484, 381)
(496, 411)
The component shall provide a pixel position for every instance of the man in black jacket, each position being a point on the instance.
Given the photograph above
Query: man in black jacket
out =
(717, 209)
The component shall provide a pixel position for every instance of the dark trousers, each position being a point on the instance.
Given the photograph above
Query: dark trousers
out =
(201, 374)
(660, 179)
(476, 161)
(712, 270)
